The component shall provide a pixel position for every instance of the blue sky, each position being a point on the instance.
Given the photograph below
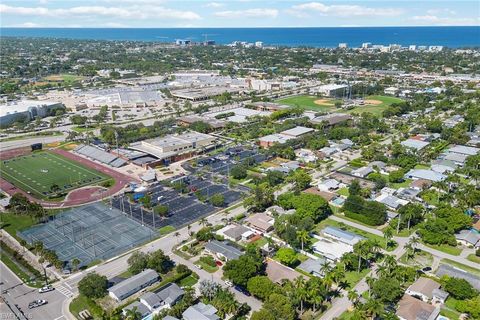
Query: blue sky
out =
(236, 13)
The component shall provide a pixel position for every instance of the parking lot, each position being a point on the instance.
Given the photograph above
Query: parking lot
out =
(222, 163)
(183, 209)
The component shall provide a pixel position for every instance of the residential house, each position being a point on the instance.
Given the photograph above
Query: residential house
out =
(362, 172)
(468, 238)
(223, 250)
(140, 307)
(410, 308)
(277, 272)
(236, 233)
(347, 237)
(329, 184)
(423, 288)
(415, 144)
(261, 222)
(132, 285)
(313, 266)
(392, 202)
(200, 311)
(425, 174)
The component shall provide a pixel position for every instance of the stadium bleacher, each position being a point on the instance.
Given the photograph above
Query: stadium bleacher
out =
(100, 155)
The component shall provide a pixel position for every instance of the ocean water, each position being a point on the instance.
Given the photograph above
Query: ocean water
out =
(453, 37)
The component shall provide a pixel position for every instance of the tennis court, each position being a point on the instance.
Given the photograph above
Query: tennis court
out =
(88, 233)
(44, 174)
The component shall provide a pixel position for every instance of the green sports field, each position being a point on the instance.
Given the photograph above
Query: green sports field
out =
(375, 109)
(310, 102)
(38, 172)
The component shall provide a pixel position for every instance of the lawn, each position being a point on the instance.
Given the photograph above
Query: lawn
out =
(368, 235)
(39, 172)
(81, 303)
(166, 229)
(454, 251)
(421, 259)
(189, 281)
(399, 185)
(12, 223)
(353, 277)
(69, 78)
(206, 267)
(473, 258)
(459, 265)
(343, 192)
(375, 109)
(308, 103)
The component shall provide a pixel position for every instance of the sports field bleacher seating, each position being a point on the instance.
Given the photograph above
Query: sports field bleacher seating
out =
(100, 155)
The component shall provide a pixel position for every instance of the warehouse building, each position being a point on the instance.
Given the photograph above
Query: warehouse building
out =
(27, 110)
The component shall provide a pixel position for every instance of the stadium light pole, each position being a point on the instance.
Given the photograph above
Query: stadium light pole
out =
(141, 210)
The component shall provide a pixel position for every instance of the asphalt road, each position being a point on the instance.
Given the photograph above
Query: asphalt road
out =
(13, 144)
(15, 292)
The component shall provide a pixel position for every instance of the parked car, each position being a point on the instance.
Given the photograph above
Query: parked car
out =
(198, 266)
(219, 263)
(242, 290)
(427, 269)
(228, 283)
(46, 289)
(36, 303)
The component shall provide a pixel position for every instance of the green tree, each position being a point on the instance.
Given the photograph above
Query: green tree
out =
(287, 256)
(303, 237)
(354, 188)
(300, 179)
(396, 176)
(93, 286)
(240, 270)
(280, 307)
(137, 262)
(261, 287)
(460, 288)
(160, 262)
(262, 314)
(218, 200)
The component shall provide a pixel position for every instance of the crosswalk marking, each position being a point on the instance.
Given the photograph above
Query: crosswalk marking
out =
(65, 291)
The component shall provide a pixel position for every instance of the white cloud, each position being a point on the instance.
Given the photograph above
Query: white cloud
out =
(25, 25)
(305, 9)
(440, 11)
(214, 5)
(133, 12)
(445, 21)
(248, 13)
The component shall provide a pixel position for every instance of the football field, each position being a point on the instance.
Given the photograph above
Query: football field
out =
(38, 172)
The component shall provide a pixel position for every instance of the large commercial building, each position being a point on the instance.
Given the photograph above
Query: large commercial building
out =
(27, 110)
(205, 93)
(172, 148)
(333, 90)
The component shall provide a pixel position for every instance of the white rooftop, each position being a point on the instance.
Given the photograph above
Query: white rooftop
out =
(22, 106)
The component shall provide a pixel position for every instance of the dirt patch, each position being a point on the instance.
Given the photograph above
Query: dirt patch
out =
(373, 102)
(324, 102)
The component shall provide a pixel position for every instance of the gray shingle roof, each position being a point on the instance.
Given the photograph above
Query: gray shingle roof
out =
(224, 249)
(131, 285)
(171, 293)
(346, 236)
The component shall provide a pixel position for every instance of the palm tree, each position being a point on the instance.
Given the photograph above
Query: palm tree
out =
(300, 291)
(203, 222)
(188, 228)
(414, 241)
(373, 307)
(75, 263)
(38, 245)
(353, 296)
(176, 234)
(388, 235)
(325, 268)
(302, 236)
(390, 263)
(133, 314)
(370, 281)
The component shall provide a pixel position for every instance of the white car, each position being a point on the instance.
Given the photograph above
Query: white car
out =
(228, 283)
(46, 289)
(198, 266)
(36, 303)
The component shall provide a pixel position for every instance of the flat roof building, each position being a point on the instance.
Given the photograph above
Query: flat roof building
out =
(414, 144)
(132, 285)
(171, 145)
(425, 174)
(27, 109)
(223, 250)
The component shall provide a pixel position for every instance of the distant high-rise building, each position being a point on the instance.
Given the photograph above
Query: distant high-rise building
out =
(412, 47)
(435, 48)
(259, 44)
(343, 45)
(366, 45)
